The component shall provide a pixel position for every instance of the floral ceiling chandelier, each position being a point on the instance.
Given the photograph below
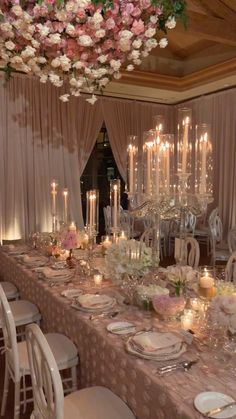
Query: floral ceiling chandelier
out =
(87, 42)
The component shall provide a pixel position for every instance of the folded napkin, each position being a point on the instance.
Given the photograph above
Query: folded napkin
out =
(155, 342)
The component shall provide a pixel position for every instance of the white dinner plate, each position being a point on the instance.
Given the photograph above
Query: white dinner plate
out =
(208, 400)
(71, 293)
(121, 328)
(95, 301)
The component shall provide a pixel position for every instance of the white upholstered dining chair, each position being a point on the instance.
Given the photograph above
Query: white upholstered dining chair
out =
(10, 290)
(17, 363)
(219, 249)
(49, 402)
(230, 269)
(232, 239)
(192, 252)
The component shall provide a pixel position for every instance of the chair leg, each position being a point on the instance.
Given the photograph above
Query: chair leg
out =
(5, 390)
(17, 401)
(74, 378)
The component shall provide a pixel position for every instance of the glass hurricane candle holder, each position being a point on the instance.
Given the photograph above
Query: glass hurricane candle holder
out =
(206, 285)
(132, 165)
(92, 198)
(115, 204)
(184, 147)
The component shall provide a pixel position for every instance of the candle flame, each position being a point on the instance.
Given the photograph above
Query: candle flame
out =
(92, 196)
(131, 147)
(65, 192)
(149, 144)
(186, 121)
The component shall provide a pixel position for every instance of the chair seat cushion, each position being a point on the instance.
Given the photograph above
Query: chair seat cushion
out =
(64, 351)
(24, 312)
(10, 290)
(95, 403)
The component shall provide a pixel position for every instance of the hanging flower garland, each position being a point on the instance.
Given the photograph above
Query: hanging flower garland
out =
(85, 41)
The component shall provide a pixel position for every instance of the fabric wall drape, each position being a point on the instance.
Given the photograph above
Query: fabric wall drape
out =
(124, 117)
(41, 139)
(219, 110)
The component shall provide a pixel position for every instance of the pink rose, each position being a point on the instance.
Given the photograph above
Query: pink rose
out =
(136, 12)
(138, 27)
(129, 8)
(81, 14)
(110, 23)
(145, 4)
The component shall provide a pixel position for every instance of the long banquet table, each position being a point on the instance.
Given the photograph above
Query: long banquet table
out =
(104, 360)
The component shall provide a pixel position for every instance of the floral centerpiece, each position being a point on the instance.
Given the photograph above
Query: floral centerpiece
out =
(223, 311)
(119, 259)
(69, 240)
(168, 307)
(179, 277)
(87, 40)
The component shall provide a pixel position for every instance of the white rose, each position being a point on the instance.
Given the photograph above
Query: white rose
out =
(28, 52)
(85, 40)
(149, 33)
(171, 23)
(6, 27)
(124, 44)
(130, 67)
(104, 81)
(151, 43)
(101, 72)
(43, 30)
(64, 98)
(16, 60)
(78, 65)
(55, 38)
(35, 43)
(17, 10)
(153, 19)
(97, 18)
(41, 60)
(55, 62)
(70, 6)
(10, 45)
(70, 29)
(83, 3)
(134, 55)
(137, 62)
(137, 43)
(115, 64)
(102, 59)
(117, 75)
(126, 34)
(163, 42)
(43, 78)
(100, 33)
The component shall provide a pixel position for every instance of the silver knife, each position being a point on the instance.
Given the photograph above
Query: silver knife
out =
(219, 409)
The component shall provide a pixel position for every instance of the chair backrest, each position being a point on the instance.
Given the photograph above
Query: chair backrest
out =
(147, 237)
(230, 269)
(192, 252)
(232, 239)
(190, 222)
(46, 381)
(9, 334)
(212, 215)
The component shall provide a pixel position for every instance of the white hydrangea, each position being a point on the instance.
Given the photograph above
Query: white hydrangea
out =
(124, 44)
(65, 62)
(134, 55)
(85, 40)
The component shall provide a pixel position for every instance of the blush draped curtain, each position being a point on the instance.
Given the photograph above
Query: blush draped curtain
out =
(219, 110)
(126, 117)
(41, 139)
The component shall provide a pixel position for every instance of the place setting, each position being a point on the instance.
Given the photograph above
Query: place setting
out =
(94, 303)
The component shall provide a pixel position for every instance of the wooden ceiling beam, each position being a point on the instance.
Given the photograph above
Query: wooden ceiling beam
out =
(180, 84)
(210, 28)
(218, 8)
